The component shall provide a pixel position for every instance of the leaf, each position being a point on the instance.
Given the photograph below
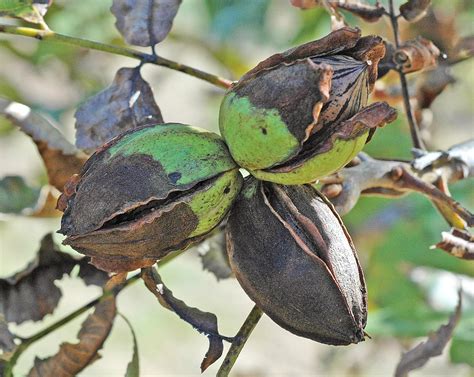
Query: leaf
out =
(31, 293)
(203, 322)
(464, 48)
(72, 358)
(124, 105)
(214, 256)
(133, 367)
(7, 343)
(91, 275)
(416, 55)
(414, 10)
(420, 354)
(462, 154)
(432, 85)
(28, 10)
(458, 243)
(16, 196)
(144, 22)
(61, 158)
(369, 13)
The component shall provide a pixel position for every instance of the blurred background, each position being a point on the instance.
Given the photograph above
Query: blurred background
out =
(412, 289)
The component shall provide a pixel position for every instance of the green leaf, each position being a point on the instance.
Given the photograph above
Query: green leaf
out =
(28, 10)
(133, 367)
(16, 196)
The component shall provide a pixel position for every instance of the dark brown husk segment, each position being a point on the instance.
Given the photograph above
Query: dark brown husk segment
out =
(292, 255)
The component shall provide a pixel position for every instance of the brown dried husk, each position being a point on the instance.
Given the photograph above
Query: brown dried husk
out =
(294, 258)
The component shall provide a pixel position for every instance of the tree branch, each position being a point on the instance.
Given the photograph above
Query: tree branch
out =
(397, 178)
(414, 130)
(239, 341)
(49, 35)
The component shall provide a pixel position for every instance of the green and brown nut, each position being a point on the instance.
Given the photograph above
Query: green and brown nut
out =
(301, 268)
(149, 192)
(295, 117)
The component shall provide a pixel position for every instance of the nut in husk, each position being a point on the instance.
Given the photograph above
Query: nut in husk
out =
(295, 117)
(294, 258)
(149, 192)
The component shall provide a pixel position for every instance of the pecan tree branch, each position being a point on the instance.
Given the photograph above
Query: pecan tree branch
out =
(49, 35)
(396, 178)
(414, 129)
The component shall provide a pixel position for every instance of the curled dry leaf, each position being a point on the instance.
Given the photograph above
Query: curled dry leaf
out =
(61, 158)
(416, 55)
(28, 10)
(461, 155)
(144, 22)
(464, 49)
(369, 13)
(433, 346)
(72, 358)
(30, 294)
(124, 105)
(414, 10)
(431, 86)
(214, 256)
(203, 322)
(458, 243)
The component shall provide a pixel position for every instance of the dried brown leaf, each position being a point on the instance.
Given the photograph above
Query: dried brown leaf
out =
(7, 343)
(416, 55)
(460, 155)
(458, 243)
(124, 105)
(72, 358)
(464, 49)
(144, 22)
(213, 256)
(432, 85)
(369, 13)
(414, 10)
(203, 322)
(433, 346)
(30, 294)
(61, 158)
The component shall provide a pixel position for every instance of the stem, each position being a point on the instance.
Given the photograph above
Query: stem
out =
(414, 129)
(49, 35)
(239, 341)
